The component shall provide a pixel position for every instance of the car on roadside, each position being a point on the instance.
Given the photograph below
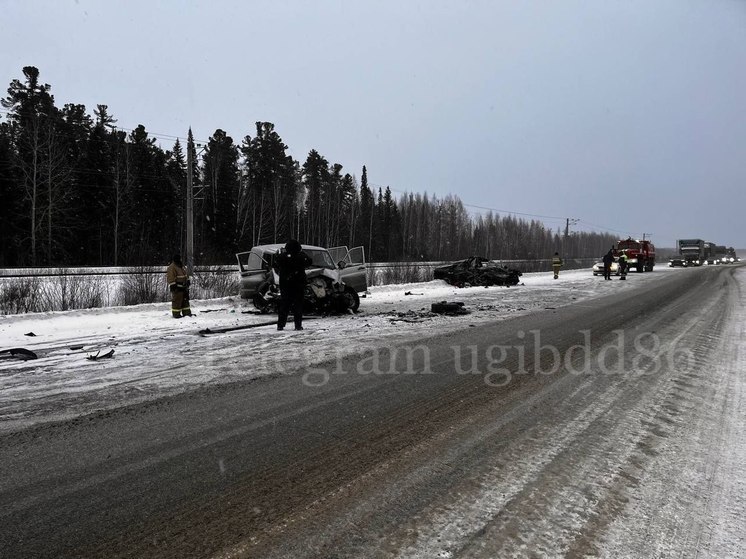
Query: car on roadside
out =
(333, 280)
(598, 267)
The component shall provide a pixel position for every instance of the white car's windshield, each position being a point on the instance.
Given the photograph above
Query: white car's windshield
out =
(320, 258)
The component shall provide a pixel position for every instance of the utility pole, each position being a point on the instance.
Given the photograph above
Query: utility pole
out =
(189, 205)
(566, 239)
(569, 221)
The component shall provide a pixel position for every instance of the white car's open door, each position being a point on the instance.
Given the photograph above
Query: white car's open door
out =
(352, 268)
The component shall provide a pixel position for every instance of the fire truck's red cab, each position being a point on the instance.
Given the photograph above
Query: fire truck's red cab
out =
(640, 254)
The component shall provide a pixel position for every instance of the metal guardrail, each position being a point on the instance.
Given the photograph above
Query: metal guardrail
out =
(509, 263)
(102, 271)
(534, 264)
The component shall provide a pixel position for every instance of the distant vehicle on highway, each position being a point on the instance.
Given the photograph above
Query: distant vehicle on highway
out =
(694, 251)
(678, 261)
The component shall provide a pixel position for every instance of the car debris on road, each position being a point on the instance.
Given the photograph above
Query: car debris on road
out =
(452, 308)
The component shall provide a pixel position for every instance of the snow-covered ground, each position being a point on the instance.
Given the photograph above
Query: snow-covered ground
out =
(155, 355)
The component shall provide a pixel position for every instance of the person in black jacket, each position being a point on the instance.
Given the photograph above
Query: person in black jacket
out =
(291, 266)
(608, 261)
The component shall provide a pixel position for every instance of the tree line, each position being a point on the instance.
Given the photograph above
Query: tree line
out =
(77, 190)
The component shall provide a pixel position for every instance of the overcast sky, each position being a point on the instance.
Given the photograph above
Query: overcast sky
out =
(627, 115)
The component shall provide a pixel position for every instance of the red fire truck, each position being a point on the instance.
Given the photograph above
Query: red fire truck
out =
(640, 254)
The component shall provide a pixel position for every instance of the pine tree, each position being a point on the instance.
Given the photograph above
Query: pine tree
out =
(148, 192)
(365, 223)
(31, 111)
(316, 179)
(221, 179)
(176, 167)
(11, 200)
(349, 208)
(95, 202)
(267, 199)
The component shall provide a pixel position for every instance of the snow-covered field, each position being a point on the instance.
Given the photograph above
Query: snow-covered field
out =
(155, 355)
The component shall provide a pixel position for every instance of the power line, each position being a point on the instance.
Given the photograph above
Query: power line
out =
(512, 212)
(605, 228)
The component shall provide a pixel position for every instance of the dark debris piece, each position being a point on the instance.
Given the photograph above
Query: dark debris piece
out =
(19, 352)
(98, 355)
(445, 307)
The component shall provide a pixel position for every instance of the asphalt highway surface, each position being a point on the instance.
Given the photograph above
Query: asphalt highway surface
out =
(609, 427)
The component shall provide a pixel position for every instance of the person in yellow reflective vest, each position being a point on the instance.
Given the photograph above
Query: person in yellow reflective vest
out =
(178, 283)
(556, 264)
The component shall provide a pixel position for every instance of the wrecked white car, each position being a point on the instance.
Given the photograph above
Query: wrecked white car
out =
(333, 280)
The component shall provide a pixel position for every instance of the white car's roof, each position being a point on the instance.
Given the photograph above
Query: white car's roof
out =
(276, 247)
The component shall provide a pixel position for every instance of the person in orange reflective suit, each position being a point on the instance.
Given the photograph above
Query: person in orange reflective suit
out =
(178, 283)
(556, 264)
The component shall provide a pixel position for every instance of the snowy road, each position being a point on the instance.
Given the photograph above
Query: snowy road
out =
(157, 356)
(602, 419)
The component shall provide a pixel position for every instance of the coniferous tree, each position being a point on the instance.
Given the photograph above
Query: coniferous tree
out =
(94, 203)
(31, 108)
(378, 236)
(365, 223)
(267, 198)
(331, 202)
(348, 212)
(149, 195)
(221, 186)
(68, 220)
(55, 179)
(11, 200)
(316, 180)
(176, 173)
(392, 227)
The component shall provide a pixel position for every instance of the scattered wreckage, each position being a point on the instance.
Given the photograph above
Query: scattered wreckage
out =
(333, 280)
(18, 353)
(449, 307)
(476, 271)
(26, 354)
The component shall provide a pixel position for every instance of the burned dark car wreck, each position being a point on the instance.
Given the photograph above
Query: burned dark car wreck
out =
(477, 271)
